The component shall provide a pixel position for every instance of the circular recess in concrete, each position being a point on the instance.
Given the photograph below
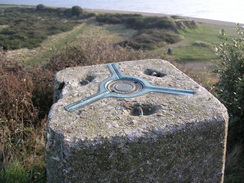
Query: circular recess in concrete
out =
(125, 86)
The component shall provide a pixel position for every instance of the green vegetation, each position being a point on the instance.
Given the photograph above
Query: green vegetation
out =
(230, 90)
(149, 39)
(40, 7)
(14, 172)
(29, 27)
(140, 22)
(57, 38)
(76, 11)
(152, 32)
(193, 53)
(201, 43)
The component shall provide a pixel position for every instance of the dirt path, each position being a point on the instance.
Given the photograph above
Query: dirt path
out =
(178, 44)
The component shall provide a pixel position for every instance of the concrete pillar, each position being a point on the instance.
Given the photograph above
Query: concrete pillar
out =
(154, 137)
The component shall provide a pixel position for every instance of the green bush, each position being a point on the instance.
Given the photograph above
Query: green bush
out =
(230, 90)
(151, 39)
(151, 22)
(115, 18)
(40, 7)
(231, 85)
(159, 23)
(76, 11)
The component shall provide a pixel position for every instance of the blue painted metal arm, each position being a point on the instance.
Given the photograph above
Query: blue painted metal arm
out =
(169, 90)
(89, 100)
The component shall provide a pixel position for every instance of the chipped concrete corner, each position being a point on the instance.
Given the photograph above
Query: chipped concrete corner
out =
(178, 138)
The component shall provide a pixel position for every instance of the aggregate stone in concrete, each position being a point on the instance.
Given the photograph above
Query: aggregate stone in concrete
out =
(179, 138)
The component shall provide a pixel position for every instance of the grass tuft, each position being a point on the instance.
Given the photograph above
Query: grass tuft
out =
(14, 172)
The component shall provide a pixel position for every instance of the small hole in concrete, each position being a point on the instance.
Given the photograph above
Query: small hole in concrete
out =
(152, 72)
(136, 111)
(144, 109)
(150, 109)
(61, 86)
(88, 79)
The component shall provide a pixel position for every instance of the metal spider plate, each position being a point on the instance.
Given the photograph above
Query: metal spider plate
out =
(123, 86)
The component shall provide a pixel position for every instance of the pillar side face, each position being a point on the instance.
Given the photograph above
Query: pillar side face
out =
(177, 138)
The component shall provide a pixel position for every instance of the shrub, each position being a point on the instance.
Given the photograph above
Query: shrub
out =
(231, 85)
(230, 91)
(116, 18)
(138, 22)
(76, 11)
(176, 17)
(40, 7)
(151, 39)
(152, 23)
(166, 23)
(135, 23)
(16, 104)
(109, 18)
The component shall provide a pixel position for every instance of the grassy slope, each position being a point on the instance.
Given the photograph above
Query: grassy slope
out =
(206, 33)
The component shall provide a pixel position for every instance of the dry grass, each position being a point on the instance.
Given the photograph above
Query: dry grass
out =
(93, 50)
(21, 122)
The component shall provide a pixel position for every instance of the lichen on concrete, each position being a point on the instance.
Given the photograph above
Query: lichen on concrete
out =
(182, 140)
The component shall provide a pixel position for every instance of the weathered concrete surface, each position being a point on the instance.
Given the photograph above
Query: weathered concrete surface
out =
(182, 141)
